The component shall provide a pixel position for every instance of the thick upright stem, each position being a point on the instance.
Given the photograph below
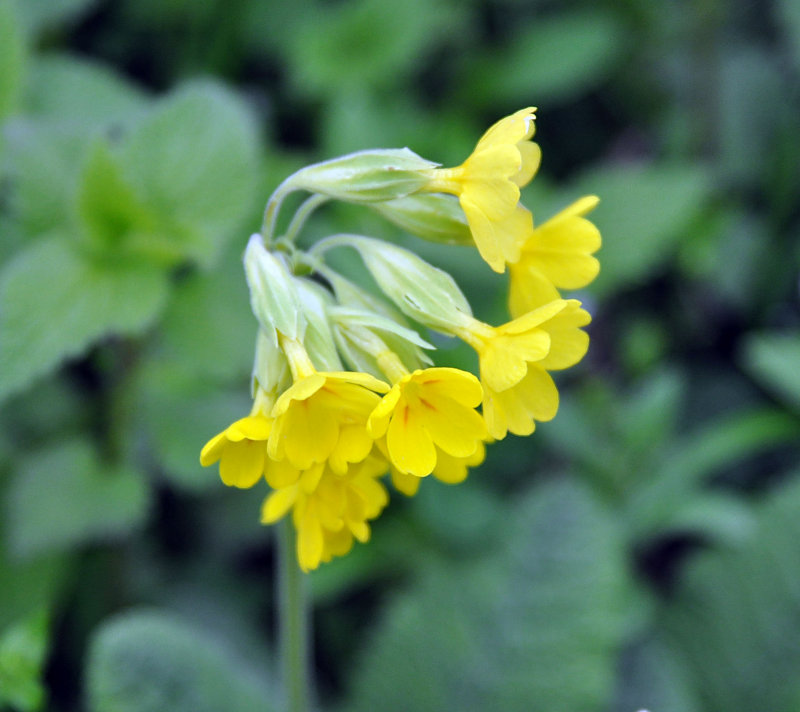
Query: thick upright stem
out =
(294, 624)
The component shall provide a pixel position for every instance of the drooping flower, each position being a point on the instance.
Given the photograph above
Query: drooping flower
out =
(428, 414)
(558, 254)
(330, 510)
(241, 450)
(322, 417)
(515, 357)
(487, 185)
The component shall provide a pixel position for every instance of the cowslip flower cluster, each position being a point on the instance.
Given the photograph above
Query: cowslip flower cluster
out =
(345, 395)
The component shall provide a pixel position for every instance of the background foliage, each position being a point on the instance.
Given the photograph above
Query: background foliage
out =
(638, 552)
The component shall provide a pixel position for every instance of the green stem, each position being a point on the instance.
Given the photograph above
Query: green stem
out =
(272, 208)
(294, 622)
(302, 214)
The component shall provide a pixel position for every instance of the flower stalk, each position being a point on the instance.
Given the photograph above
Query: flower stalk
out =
(293, 624)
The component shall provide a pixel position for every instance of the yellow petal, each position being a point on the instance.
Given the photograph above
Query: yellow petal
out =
(278, 504)
(310, 433)
(410, 447)
(253, 427)
(353, 445)
(280, 473)
(535, 318)
(529, 289)
(311, 477)
(379, 418)
(462, 386)
(483, 234)
(493, 415)
(495, 196)
(405, 483)
(360, 530)
(212, 450)
(309, 542)
(510, 129)
(450, 470)
(531, 159)
(299, 391)
(538, 394)
(568, 343)
(453, 428)
(242, 463)
(529, 346)
(359, 379)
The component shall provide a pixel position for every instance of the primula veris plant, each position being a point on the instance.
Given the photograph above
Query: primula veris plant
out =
(344, 392)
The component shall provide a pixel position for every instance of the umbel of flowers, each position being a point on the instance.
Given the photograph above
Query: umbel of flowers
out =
(344, 392)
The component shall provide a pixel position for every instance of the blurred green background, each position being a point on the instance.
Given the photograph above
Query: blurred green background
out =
(640, 551)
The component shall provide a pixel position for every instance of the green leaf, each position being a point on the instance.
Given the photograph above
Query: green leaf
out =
(669, 494)
(367, 42)
(734, 617)
(644, 213)
(54, 304)
(22, 651)
(541, 619)
(193, 161)
(65, 496)
(44, 163)
(146, 661)
(182, 411)
(772, 359)
(76, 92)
(208, 329)
(12, 59)
(587, 44)
(37, 583)
(107, 204)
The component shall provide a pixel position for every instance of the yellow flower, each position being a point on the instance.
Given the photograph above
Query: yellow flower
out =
(514, 360)
(556, 255)
(516, 409)
(322, 418)
(241, 450)
(487, 185)
(450, 470)
(330, 510)
(427, 414)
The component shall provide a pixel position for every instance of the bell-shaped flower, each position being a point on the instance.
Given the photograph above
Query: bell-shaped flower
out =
(487, 185)
(428, 413)
(558, 254)
(329, 510)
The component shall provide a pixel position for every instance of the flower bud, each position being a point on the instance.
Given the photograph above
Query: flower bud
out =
(318, 339)
(271, 369)
(362, 336)
(273, 296)
(432, 216)
(366, 176)
(420, 290)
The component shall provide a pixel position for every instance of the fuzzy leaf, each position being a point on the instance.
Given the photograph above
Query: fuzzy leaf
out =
(64, 496)
(192, 160)
(54, 304)
(147, 661)
(539, 620)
